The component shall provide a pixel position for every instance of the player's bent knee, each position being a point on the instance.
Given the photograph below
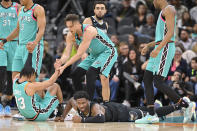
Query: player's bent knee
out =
(53, 89)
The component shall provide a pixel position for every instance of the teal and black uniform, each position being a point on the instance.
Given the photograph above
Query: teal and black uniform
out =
(28, 31)
(102, 52)
(161, 64)
(8, 22)
(33, 107)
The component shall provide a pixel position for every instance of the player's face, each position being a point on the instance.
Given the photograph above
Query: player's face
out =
(82, 104)
(72, 26)
(100, 11)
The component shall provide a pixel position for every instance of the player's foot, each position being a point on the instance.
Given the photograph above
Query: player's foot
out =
(189, 112)
(18, 117)
(148, 119)
(7, 111)
(1, 110)
(126, 103)
(194, 116)
(157, 104)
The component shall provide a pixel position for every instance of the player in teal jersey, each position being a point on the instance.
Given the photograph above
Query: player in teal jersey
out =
(160, 62)
(102, 53)
(30, 29)
(8, 22)
(31, 100)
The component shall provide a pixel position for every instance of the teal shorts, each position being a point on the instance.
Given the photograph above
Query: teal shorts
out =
(22, 54)
(7, 54)
(160, 65)
(104, 61)
(47, 105)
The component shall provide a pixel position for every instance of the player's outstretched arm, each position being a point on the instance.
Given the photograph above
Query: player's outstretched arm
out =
(69, 44)
(89, 34)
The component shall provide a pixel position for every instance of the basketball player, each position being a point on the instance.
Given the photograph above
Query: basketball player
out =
(8, 22)
(100, 10)
(102, 53)
(160, 62)
(30, 29)
(31, 100)
(90, 112)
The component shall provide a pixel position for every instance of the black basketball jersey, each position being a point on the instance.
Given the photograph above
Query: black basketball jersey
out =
(102, 26)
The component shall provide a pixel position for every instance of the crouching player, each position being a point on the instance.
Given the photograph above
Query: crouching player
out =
(32, 101)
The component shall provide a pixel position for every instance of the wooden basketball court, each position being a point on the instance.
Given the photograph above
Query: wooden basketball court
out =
(172, 123)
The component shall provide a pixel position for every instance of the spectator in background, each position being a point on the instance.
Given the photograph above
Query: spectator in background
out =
(193, 12)
(185, 40)
(149, 27)
(148, 30)
(182, 88)
(133, 92)
(178, 63)
(47, 59)
(115, 40)
(194, 33)
(140, 17)
(186, 22)
(62, 45)
(179, 8)
(133, 41)
(192, 73)
(125, 10)
(123, 53)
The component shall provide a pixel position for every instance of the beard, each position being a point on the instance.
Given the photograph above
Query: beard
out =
(99, 17)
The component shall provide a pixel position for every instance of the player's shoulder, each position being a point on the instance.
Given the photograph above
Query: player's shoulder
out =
(170, 8)
(39, 7)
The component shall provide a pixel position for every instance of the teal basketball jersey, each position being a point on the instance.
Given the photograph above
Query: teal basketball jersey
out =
(99, 44)
(161, 28)
(8, 19)
(28, 25)
(26, 104)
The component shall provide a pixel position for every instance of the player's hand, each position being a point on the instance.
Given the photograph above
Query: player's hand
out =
(57, 64)
(59, 119)
(76, 119)
(84, 56)
(1, 45)
(31, 46)
(154, 53)
(145, 50)
(61, 69)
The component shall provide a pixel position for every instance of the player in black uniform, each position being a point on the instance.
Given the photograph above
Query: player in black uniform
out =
(90, 112)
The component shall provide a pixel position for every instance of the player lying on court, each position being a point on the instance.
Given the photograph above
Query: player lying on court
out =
(90, 112)
(31, 100)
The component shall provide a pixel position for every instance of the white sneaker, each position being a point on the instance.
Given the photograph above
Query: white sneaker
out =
(189, 112)
(126, 103)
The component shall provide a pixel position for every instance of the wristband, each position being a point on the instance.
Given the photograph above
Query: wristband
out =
(4, 41)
